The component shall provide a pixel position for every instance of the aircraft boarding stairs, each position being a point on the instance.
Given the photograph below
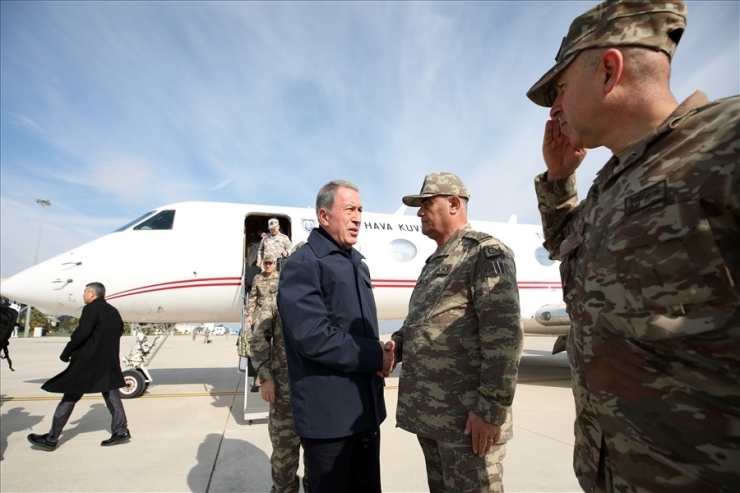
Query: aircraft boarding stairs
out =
(254, 407)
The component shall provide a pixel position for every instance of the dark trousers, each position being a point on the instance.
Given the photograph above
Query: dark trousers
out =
(64, 411)
(343, 465)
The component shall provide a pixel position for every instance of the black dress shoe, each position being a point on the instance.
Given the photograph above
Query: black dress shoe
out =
(116, 438)
(42, 441)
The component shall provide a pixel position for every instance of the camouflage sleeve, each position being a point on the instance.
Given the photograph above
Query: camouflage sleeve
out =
(556, 200)
(397, 337)
(496, 301)
(252, 303)
(261, 345)
(261, 251)
(287, 244)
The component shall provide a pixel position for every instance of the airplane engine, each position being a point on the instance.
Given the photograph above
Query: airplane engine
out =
(552, 314)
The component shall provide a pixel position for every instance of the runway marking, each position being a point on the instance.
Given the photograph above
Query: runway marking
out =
(221, 394)
(98, 397)
(544, 380)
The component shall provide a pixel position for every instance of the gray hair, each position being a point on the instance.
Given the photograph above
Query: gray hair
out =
(644, 64)
(327, 194)
(97, 288)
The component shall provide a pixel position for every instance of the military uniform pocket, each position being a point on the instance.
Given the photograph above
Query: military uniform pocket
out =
(670, 268)
(568, 250)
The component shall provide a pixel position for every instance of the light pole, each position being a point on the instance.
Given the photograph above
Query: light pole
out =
(43, 203)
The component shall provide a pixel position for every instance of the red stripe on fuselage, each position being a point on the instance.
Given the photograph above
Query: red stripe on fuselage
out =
(236, 281)
(189, 283)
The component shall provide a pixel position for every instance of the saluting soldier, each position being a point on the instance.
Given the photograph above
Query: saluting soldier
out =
(460, 345)
(650, 258)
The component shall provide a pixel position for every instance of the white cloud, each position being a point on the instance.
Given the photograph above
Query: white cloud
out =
(111, 109)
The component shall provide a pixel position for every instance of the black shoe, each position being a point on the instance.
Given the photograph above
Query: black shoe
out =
(116, 438)
(42, 441)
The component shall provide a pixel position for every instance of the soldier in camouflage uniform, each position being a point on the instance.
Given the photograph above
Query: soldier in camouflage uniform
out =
(275, 243)
(268, 357)
(650, 259)
(262, 297)
(460, 345)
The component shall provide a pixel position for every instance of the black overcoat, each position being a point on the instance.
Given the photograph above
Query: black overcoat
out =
(94, 349)
(330, 328)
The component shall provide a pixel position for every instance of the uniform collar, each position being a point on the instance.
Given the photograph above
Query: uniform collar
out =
(451, 243)
(623, 160)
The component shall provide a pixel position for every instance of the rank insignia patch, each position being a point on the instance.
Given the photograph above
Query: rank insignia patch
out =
(646, 197)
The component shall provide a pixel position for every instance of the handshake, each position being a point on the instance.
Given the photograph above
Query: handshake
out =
(389, 358)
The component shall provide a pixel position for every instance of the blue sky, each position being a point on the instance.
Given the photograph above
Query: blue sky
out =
(110, 109)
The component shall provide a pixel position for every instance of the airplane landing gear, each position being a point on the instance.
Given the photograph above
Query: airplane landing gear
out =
(137, 377)
(135, 384)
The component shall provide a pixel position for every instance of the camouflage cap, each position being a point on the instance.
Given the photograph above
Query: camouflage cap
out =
(273, 223)
(438, 184)
(269, 257)
(651, 24)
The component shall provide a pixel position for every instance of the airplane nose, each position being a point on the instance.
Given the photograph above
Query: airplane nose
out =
(23, 287)
(33, 286)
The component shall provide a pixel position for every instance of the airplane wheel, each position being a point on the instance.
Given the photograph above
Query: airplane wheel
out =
(135, 385)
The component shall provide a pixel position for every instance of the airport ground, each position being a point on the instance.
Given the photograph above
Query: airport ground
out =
(190, 435)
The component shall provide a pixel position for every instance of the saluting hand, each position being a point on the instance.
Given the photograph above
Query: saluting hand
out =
(561, 158)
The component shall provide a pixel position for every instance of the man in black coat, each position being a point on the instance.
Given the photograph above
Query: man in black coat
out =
(336, 362)
(94, 366)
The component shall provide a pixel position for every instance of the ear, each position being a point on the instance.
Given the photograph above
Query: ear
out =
(612, 64)
(323, 217)
(455, 204)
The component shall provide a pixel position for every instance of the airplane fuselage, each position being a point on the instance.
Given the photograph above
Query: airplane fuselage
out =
(192, 271)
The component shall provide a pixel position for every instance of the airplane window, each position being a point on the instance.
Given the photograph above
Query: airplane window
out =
(543, 257)
(131, 223)
(163, 220)
(401, 250)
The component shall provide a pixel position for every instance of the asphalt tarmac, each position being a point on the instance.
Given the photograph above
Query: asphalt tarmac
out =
(189, 432)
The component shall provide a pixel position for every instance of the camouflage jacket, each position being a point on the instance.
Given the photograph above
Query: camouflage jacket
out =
(274, 245)
(263, 294)
(651, 269)
(268, 349)
(461, 341)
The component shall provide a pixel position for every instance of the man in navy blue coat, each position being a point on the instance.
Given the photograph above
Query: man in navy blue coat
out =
(336, 362)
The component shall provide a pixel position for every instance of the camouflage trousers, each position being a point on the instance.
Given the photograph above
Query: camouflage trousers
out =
(286, 448)
(453, 468)
(261, 323)
(242, 345)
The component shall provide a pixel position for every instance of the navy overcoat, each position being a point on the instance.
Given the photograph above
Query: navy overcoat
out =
(330, 327)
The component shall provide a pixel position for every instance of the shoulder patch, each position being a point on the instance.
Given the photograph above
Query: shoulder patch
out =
(491, 251)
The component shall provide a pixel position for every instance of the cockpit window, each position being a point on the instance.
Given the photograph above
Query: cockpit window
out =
(137, 220)
(163, 220)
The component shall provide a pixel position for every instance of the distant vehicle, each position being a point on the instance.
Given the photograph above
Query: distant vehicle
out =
(220, 330)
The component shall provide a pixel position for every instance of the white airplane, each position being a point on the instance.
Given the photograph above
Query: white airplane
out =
(186, 262)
